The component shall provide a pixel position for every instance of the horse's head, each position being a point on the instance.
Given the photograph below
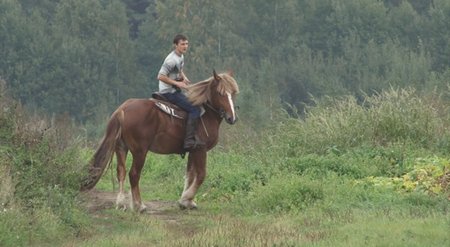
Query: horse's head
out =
(223, 93)
(218, 93)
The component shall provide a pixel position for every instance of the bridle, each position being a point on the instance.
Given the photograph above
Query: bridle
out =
(220, 112)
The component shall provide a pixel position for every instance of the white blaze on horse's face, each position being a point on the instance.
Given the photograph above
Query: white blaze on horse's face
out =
(233, 117)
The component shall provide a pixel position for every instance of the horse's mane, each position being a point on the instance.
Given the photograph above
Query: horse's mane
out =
(200, 92)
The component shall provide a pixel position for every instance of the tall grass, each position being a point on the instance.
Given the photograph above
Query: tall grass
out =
(40, 171)
(392, 116)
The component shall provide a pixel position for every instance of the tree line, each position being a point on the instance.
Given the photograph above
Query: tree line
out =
(84, 57)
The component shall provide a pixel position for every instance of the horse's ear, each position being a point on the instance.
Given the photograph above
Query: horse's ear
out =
(216, 76)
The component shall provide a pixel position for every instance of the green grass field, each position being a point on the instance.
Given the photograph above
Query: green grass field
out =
(375, 173)
(238, 207)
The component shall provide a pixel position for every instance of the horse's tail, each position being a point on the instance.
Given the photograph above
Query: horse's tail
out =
(104, 154)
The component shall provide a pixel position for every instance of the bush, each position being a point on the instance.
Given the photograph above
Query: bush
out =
(41, 170)
(430, 176)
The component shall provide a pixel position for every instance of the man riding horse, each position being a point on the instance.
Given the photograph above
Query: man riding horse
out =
(140, 125)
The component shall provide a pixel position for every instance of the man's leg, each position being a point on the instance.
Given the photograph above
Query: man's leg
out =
(191, 141)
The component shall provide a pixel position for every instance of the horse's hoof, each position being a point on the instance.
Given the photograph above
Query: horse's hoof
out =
(121, 202)
(187, 205)
(121, 207)
(138, 207)
(143, 208)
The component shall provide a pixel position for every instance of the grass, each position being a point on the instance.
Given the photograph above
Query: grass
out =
(312, 227)
(118, 228)
(241, 209)
(393, 229)
(373, 173)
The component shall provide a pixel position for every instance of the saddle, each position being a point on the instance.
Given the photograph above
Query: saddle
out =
(165, 106)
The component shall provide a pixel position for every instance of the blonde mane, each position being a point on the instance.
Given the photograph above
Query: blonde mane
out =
(200, 92)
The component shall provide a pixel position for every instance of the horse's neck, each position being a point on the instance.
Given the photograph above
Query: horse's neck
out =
(212, 118)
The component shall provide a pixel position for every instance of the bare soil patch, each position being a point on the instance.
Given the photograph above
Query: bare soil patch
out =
(95, 201)
(176, 220)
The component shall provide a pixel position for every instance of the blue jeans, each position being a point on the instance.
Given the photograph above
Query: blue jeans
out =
(179, 99)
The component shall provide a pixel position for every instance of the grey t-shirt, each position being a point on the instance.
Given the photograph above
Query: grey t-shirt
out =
(172, 67)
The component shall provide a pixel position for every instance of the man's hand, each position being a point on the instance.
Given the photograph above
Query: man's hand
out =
(186, 80)
(182, 84)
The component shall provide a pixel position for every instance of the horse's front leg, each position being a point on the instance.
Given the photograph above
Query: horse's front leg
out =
(121, 153)
(195, 175)
(134, 175)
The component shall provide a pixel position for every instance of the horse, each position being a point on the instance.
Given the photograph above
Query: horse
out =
(139, 125)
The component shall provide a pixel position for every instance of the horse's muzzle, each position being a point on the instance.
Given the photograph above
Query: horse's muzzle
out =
(231, 120)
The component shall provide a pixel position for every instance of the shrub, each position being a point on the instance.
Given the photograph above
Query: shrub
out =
(40, 169)
(431, 176)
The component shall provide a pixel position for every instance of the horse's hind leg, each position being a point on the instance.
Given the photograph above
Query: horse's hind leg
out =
(121, 153)
(134, 175)
(195, 175)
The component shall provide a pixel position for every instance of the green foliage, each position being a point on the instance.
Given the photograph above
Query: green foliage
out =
(393, 116)
(86, 57)
(21, 227)
(14, 227)
(346, 163)
(40, 174)
(430, 176)
(77, 61)
(323, 165)
(285, 194)
(320, 182)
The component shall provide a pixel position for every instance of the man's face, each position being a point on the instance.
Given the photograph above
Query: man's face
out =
(182, 46)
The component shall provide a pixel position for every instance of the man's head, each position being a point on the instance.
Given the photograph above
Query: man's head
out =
(181, 43)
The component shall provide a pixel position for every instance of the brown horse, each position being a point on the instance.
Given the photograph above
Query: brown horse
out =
(139, 126)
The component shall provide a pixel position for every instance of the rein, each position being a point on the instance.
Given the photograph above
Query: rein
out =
(220, 112)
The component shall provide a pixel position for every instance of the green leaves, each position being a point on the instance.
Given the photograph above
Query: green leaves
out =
(428, 175)
(86, 57)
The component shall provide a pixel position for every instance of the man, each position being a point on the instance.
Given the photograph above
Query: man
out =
(172, 81)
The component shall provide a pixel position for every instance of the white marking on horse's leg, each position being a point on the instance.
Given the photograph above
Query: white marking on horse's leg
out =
(132, 206)
(188, 179)
(230, 100)
(187, 204)
(121, 199)
(143, 208)
(186, 200)
(190, 192)
(137, 206)
(186, 182)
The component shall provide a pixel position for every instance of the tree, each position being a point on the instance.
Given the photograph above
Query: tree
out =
(437, 34)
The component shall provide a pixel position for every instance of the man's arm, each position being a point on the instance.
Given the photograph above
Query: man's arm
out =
(185, 79)
(163, 73)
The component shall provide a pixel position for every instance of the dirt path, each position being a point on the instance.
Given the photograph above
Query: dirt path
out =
(177, 222)
(95, 201)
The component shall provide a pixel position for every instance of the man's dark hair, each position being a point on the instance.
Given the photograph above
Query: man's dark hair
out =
(179, 37)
